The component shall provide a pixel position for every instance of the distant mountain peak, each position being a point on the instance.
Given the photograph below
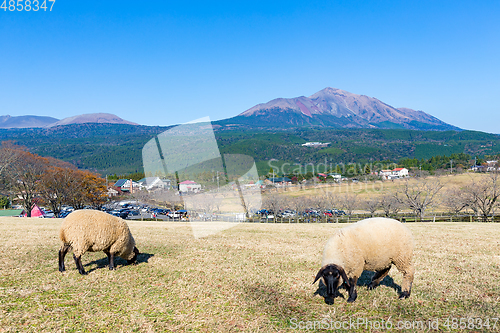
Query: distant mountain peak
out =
(100, 118)
(8, 121)
(31, 121)
(332, 107)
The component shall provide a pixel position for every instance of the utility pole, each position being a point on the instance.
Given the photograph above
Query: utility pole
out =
(451, 166)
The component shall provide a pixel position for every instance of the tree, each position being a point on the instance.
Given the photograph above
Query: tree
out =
(54, 187)
(4, 202)
(299, 204)
(94, 189)
(8, 156)
(456, 200)
(274, 202)
(390, 205)
(483, 195)
(23, 176)
(419, 195)
(371, 205)
(349, 202)
(86, 188)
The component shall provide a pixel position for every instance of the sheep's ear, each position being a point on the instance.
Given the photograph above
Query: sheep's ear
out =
(320, 273)
(344, 276)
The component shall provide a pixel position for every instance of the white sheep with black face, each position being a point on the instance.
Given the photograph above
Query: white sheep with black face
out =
(93, 230)
(373, 244)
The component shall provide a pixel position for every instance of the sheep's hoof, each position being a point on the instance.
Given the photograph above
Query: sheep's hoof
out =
(372, 286)
(352, 298)
(404, 295)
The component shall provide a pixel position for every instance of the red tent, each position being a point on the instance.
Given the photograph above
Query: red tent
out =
(35, 212)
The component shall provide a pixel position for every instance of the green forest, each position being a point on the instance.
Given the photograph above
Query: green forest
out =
(111, 149)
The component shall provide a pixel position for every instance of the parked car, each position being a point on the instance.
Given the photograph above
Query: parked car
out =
(288, 213)
(48, 213)
(174, 215)
(122, 213)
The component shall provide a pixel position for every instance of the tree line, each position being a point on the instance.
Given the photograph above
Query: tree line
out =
(31, 179)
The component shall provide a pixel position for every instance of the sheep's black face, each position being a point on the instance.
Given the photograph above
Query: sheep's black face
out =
(134, 258)
(331, 275)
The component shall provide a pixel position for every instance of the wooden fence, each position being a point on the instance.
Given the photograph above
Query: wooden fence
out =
(355, 218)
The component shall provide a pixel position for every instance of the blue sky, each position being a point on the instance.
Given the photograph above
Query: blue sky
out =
(163, 62)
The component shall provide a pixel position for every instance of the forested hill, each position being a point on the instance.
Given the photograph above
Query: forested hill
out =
(104, 148)
(112, 148)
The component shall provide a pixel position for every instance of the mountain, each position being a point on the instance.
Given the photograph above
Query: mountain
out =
(99, 118)
(335, 108)
(25, 121)
(41, 121)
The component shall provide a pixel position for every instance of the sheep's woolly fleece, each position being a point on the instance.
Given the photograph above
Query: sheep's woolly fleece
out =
(92, 230)
(373, 244)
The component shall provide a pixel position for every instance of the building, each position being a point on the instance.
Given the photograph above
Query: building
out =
(400, 172)
(315, 144)
(385, 174)
(394, 173)
(155, 183)
(127, 185)
(189, 186)
(280, 181)
(336, 176)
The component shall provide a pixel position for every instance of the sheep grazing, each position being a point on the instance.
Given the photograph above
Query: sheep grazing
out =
(93, 230)
(372, 244)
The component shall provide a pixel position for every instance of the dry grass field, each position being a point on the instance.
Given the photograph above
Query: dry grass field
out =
(250, 278)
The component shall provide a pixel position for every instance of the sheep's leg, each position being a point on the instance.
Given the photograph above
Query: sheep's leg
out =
(407, 282)
(79, 266)
(353, 294)
(378, 277)
(62, 253)
(111, 258)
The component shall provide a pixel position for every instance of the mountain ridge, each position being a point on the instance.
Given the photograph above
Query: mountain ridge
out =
(32, 121)
(335, 108)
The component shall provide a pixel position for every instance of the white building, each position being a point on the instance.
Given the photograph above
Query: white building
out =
(400, 172)
(315, 144)
(154, 183)
(189, 186)
(385, 174)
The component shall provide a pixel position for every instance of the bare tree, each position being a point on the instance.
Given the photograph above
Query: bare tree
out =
(330, 199)
(54, 187)
(456, 200)
(8, 156)
(349, 202)
(371, 205)
(419, 195)
(299, 204)
(483, 195)
(390, 205)
(274, 202)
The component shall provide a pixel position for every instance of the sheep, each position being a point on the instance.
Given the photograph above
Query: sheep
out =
(372, 244)
(93, 230)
